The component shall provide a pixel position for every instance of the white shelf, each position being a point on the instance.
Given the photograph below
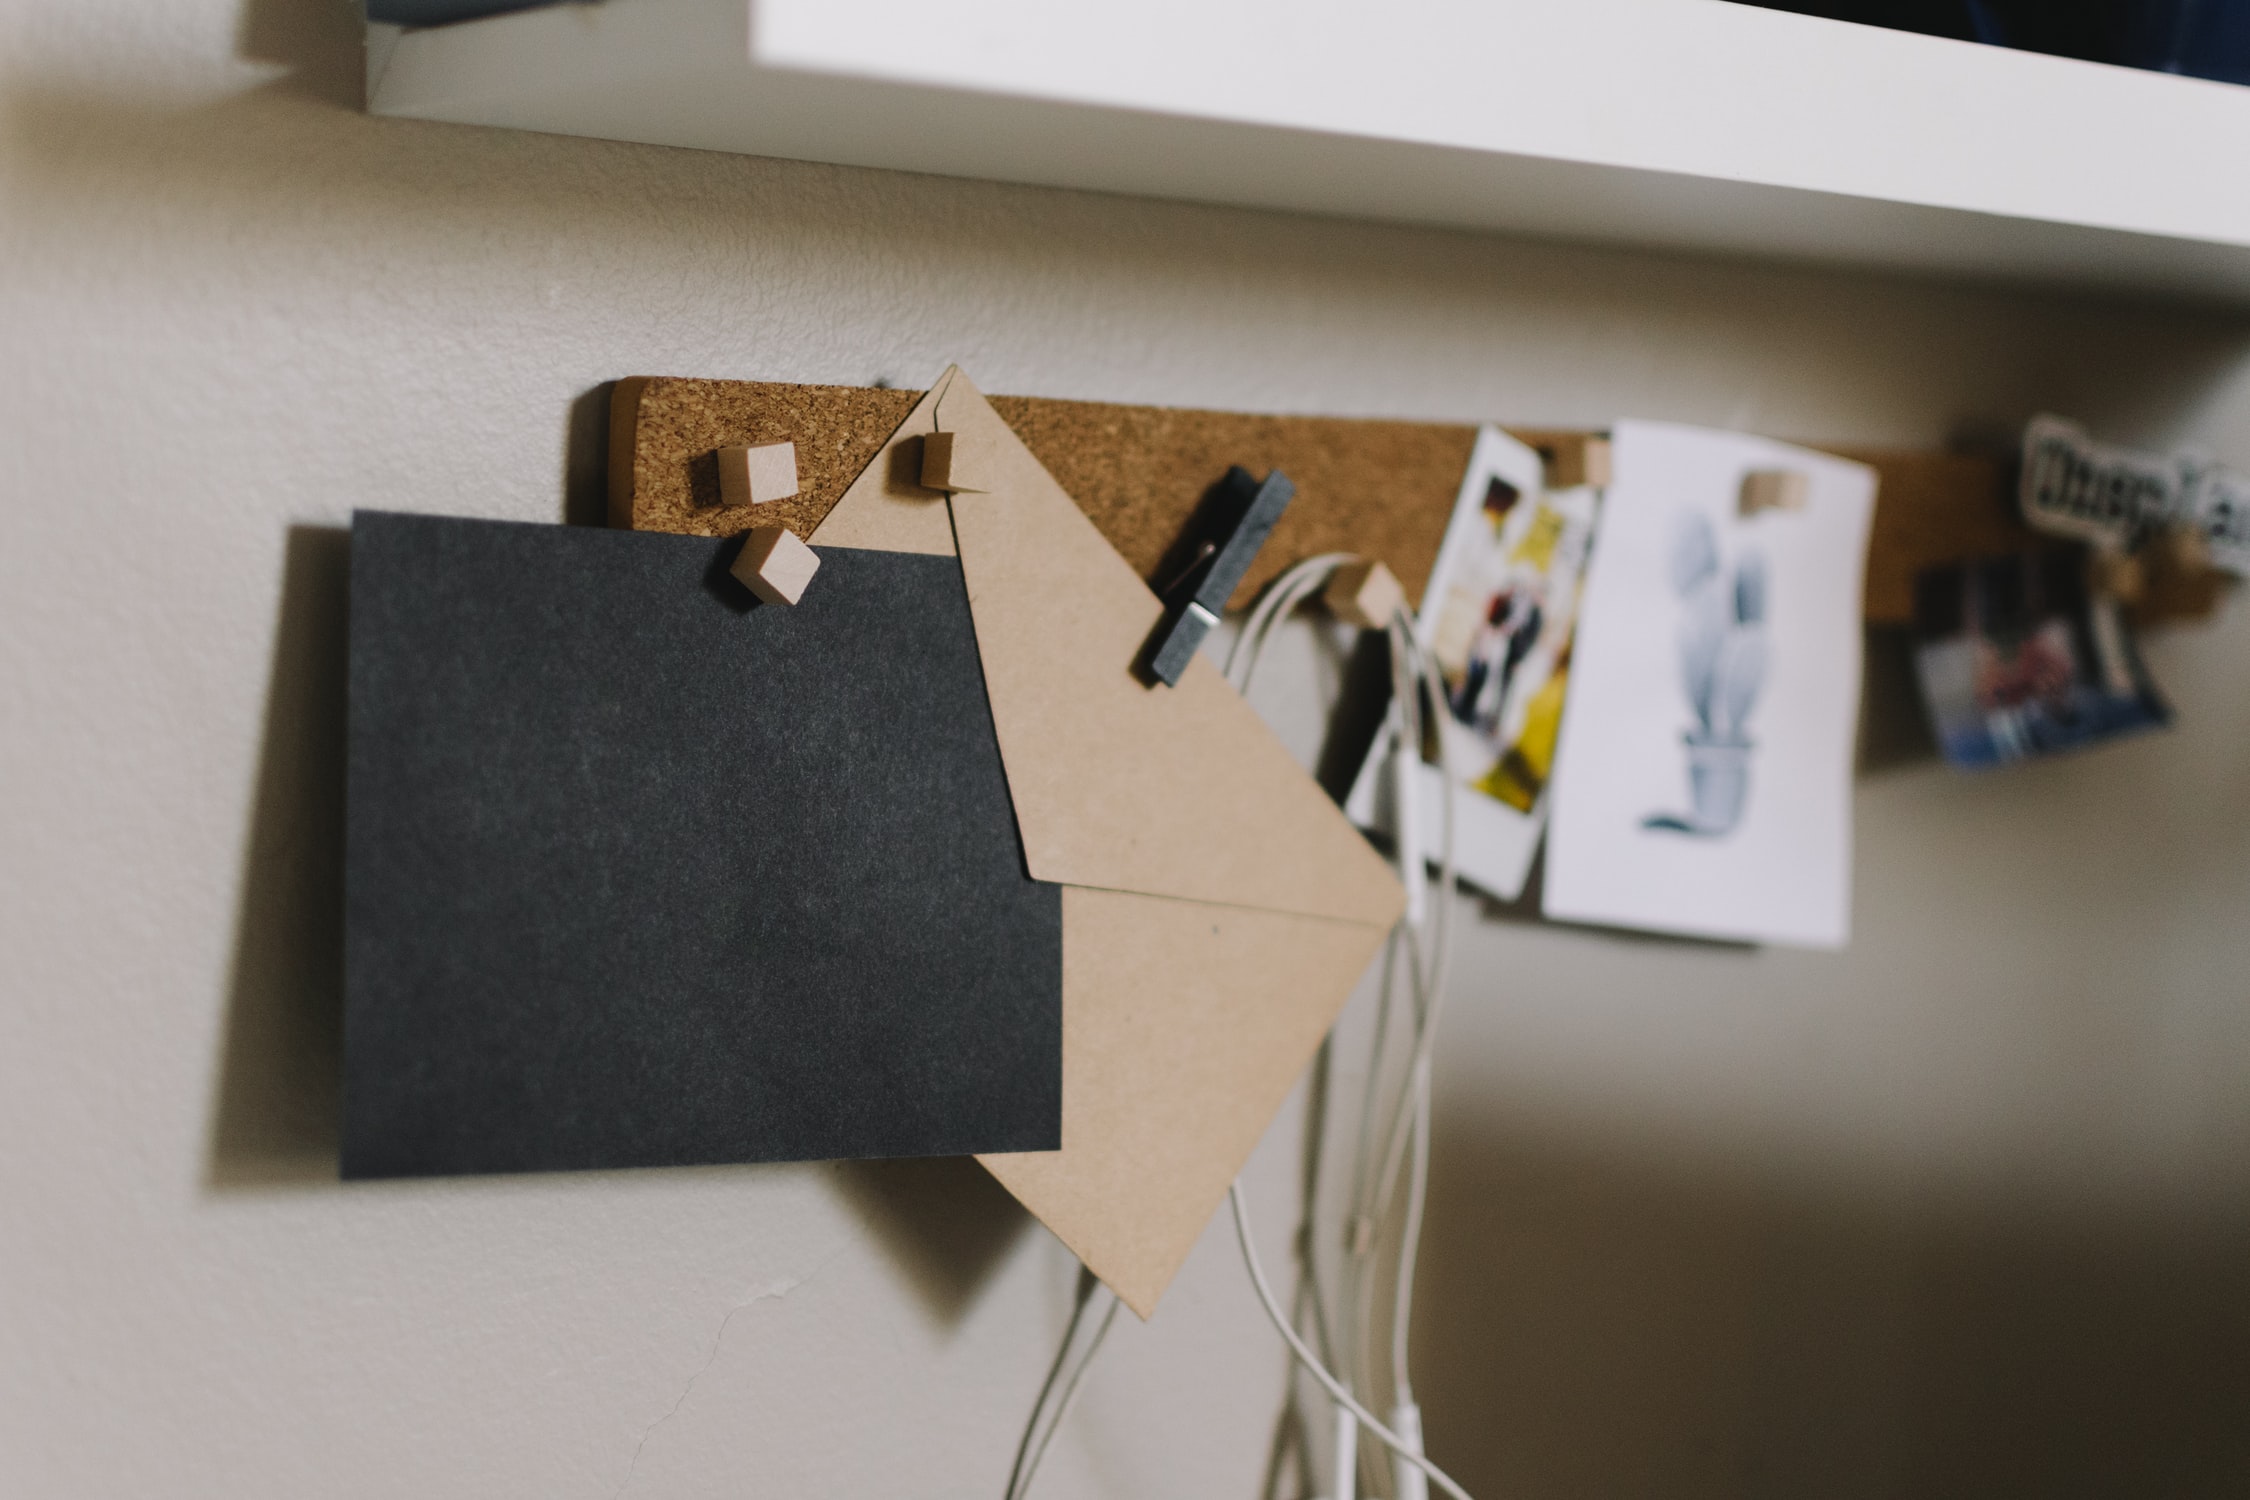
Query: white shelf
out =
(1678, 123)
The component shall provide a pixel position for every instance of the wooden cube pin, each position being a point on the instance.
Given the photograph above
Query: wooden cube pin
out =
(1364, 594)
(955, 461)
(2116, 574)
(1581, 459)
(775, 566)
(1775, 489)
(2181, 583)
(755, 476)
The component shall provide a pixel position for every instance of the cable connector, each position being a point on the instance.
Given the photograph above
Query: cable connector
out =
(1408, 1482)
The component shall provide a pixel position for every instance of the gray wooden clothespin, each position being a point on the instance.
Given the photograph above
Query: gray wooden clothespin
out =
(1199, 596)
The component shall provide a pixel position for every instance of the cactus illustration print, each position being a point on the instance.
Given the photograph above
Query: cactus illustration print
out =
(1702, 783)
(1722, 664)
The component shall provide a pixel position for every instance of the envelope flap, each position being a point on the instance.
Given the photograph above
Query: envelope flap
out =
(1179, 792)
(885, 509)
(1184, 1028)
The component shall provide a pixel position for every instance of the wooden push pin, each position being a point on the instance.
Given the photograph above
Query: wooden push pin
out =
(2182, 584)
(1364, 594)
(956, 461)
(775, 566)
(2183, 549)
(1576, 460)
(1775, 489)
(756, 476)
(2115, 574)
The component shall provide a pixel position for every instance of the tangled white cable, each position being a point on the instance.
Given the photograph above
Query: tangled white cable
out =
(1416, 686)
(1312, 1364)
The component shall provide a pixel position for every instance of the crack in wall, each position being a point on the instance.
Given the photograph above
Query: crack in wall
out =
(772, 1291)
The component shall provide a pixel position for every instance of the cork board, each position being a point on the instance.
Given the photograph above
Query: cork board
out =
(1377, 487)
(664, 437)
(1138, 471)
(1933, 508)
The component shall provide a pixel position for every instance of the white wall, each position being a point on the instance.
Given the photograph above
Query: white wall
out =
(1961, 1210)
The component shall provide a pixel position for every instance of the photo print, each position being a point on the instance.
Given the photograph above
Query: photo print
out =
(2017, 660)
(1499, 613)
(1702, 783)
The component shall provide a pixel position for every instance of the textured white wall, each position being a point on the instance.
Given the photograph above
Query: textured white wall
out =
(1957, 1211)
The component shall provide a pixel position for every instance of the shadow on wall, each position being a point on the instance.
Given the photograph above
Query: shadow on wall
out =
(1592, 1326)
(945, 1222)
(320, 42)
(276, 1111)
(1894, 728)
(586, 458)
(277, 1108)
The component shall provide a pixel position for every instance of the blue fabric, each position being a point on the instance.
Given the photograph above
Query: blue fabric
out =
(2201, 38)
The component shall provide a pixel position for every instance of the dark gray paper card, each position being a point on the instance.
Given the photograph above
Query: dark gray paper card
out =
(639, 872)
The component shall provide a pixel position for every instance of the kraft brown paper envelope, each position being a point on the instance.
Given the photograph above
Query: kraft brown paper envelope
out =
(1218, 908)
(886, 509)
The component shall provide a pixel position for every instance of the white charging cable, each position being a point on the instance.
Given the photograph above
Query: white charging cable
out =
(1063, 1377)
(1417, 687)
(1319, 1371)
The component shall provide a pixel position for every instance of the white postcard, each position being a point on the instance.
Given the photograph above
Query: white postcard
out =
(1703, 782)
(1497, 614)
